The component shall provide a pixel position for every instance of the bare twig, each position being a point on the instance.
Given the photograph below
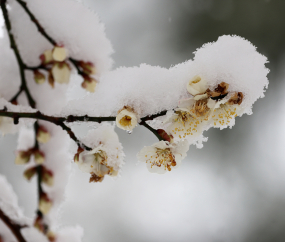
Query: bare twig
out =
(14, 227)
(71, 118)
(17, 53)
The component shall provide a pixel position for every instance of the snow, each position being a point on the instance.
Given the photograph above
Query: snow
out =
(151, 89)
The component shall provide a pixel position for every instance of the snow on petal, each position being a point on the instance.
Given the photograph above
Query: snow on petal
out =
(106, 157)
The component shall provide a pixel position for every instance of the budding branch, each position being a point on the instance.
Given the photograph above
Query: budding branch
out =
(60, 121)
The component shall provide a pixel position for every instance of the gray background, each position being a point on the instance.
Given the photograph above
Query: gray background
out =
(233, 188)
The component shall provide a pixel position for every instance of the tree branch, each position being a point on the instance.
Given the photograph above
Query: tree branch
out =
(71, 118)
(33, 18)
(13, 45)
(15, 228)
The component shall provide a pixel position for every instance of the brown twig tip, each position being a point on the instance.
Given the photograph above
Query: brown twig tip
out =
(13, 226)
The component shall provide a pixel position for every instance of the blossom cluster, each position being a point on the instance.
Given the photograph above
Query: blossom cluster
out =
(177, 104)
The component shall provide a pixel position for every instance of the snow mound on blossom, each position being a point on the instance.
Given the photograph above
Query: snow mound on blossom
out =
(150, 89)
(78, 29)
(106, 136)
(233, 60)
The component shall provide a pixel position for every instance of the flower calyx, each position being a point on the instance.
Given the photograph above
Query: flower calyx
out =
(87, 67)
(39, 224)
(39, 77)
(76, 156)
(47, 176)
(23, 156)
(29, 173)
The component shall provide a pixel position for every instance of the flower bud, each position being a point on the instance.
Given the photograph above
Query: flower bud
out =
(197, 85)
(165, 135)
(29, 173)
(43, 136)
(61, 72)
(39, 224)
(39, 157)
(50, 79)
(59, 53)
(45, 203)
(47, 176)
(87, 67)
(126, 118)
(89, 84)
(39, 77)
(23, 157)
(76, 156)
(51, 236)
(46, 57)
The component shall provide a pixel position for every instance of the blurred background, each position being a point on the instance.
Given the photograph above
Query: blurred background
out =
(231, 190)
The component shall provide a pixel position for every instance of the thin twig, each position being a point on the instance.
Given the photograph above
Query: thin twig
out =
(33, 18)
(71, 118)
(46, 35)
(13, 45)
(15, 97)
(154, 131)
(15, 228)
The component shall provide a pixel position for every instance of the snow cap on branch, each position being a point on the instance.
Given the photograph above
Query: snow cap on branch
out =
(149, 90)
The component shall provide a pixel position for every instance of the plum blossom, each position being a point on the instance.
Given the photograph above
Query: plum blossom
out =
(106, 158)
(162, 156)
(224, 111)
(126, 118)
(197, 85)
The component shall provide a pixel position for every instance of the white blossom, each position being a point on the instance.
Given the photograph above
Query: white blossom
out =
(163, 156)
(106, 158)
(223, 112)
(126, 119)
(197, 85)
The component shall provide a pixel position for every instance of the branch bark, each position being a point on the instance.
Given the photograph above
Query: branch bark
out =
(15, 228)
(14, 47)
